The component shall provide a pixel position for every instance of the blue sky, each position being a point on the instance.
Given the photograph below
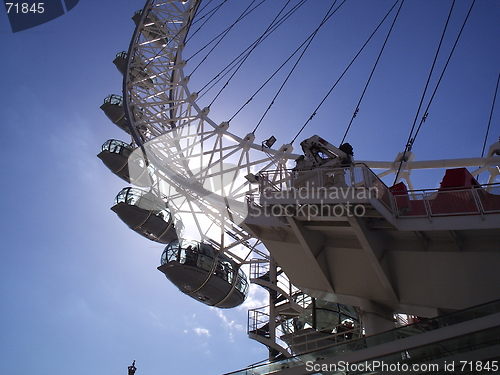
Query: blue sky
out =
(80, 291)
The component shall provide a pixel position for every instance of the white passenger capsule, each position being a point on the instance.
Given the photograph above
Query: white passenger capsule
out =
(115, 155)
(146, 214)
(204, 273)
(113, 109)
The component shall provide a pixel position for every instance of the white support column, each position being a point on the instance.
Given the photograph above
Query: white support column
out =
(272, 308)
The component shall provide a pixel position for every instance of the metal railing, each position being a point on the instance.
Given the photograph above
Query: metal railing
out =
(259, 324)
(356, 175)
(260, 269)
(450, 202)
(425, 325)
(320, 182)
(258, 319)
(326, 182)
(489, 198)
(315, 340)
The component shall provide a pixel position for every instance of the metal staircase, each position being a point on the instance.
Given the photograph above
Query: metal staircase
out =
(290, 325)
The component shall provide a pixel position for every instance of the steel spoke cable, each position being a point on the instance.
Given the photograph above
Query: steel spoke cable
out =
(344, 72)
(215, 10)
(229, 67)
(237, 60)
(491, 115)
(246, 56)
(209, 14)
(205, 6)
(293, 68)
(207, 90)
(282, 65)
(356, 110)
(218, 36)
(426, 111)
(226, 33)
(213, 85)
(409, 141)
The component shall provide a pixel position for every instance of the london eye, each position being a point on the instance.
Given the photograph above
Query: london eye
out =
(348, 250)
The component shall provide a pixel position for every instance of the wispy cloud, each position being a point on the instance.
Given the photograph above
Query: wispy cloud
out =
(201, 331)
(156, 320)
(257, 297)
(229, 324)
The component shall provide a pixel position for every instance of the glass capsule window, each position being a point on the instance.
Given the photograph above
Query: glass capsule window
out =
(129, 196)
(183, 252)
(242, 283)
(190, 257)
(205, 262)
(113, 99)
(224, 270)
(170, 253)
(115, 146)
(206, 249)
(122, 55)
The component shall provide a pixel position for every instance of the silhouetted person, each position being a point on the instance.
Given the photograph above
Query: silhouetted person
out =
(132, 368)
(347, 148)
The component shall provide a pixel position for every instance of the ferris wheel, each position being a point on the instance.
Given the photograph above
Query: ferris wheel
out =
(196, 179)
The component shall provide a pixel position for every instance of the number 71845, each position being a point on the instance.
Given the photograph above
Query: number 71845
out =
(25, 8)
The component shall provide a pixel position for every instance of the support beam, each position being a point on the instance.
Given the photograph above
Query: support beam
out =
(457, 238)
(311, 244)
(424, 239)
(373, 250)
